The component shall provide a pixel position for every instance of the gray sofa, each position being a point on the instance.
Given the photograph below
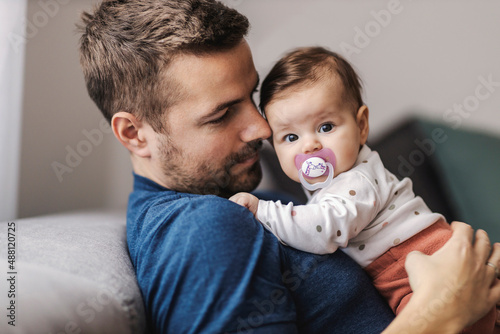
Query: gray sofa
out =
(72, 275)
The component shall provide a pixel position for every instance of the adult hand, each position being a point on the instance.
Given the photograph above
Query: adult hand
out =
(454, 287)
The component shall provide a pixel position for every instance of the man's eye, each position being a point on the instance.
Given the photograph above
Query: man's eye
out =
(326, 127)
(220, 119)
(291, 138)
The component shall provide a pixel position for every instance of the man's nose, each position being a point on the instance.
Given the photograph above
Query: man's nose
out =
(255, 127)
(311, 145)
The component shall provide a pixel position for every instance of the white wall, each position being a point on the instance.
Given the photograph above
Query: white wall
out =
(57, 111)
(426, 59)
(11, 85)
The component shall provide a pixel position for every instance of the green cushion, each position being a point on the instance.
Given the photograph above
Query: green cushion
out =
(468, 164)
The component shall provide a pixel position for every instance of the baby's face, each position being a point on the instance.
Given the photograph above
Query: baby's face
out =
(306, 119)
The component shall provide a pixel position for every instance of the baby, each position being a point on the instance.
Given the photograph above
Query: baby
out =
(312, 102)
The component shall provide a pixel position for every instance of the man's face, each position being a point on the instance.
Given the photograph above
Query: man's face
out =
(215, 131)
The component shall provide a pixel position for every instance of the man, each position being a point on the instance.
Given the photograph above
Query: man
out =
(176, 80)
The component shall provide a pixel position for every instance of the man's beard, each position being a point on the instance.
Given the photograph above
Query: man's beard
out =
(209, 177)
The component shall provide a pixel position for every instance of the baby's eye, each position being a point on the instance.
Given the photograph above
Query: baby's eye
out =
(291, 138)
(326, 127)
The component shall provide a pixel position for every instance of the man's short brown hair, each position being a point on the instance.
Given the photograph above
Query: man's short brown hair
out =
(126, 46)
(308, 65)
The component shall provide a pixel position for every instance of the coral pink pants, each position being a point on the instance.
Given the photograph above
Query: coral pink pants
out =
(390, 278)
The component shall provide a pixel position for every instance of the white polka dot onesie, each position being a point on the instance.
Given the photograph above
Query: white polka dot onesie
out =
(364, 211)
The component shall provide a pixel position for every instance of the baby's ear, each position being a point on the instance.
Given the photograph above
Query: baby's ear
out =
(363, 124)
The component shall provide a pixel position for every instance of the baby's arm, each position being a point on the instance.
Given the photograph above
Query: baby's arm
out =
(330, 220)
(318, 228)
(247, 200)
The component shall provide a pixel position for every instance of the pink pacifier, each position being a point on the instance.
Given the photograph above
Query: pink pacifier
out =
(314, 165)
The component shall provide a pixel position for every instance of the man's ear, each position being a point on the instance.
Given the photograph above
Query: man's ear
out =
(131, 133)
(363, 124)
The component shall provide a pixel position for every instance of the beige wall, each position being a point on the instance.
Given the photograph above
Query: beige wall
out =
(57, 111)
(426, 57)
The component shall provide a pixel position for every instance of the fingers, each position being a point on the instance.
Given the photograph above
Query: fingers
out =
(413, 258)
(240, 198)
(234, 197)
(414, 265)
(495, 254)
(482, 245)
(495, 287)
(412, 261)
(246, 200)
(243, 201)
(483, 248)
(494, 258)
(462, 231)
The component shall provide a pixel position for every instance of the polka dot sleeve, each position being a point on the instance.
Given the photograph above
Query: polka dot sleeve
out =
(323, 226)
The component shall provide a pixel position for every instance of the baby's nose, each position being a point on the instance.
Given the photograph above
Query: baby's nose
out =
(312, 145)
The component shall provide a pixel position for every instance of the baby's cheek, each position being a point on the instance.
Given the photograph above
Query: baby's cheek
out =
(287, 163)
(348, 161)
(291, 171)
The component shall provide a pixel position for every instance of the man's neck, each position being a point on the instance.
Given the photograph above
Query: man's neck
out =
(143, 168)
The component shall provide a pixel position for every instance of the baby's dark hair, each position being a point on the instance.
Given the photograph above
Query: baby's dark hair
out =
(308, 65)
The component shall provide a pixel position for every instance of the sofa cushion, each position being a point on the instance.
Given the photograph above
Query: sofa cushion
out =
(467, 163)
(73, 275)
(453, 169)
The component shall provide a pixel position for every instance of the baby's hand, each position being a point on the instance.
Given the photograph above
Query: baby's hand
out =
(247, 200)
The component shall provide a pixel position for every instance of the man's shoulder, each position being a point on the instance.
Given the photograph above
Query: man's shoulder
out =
(178, 214)
(203, 207)
(151, 202)
(164, 201)
(205, 246)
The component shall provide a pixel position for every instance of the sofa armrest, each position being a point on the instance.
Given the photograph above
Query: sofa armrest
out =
(72, 275)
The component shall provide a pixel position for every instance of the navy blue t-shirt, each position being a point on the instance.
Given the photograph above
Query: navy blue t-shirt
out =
(206, 265)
